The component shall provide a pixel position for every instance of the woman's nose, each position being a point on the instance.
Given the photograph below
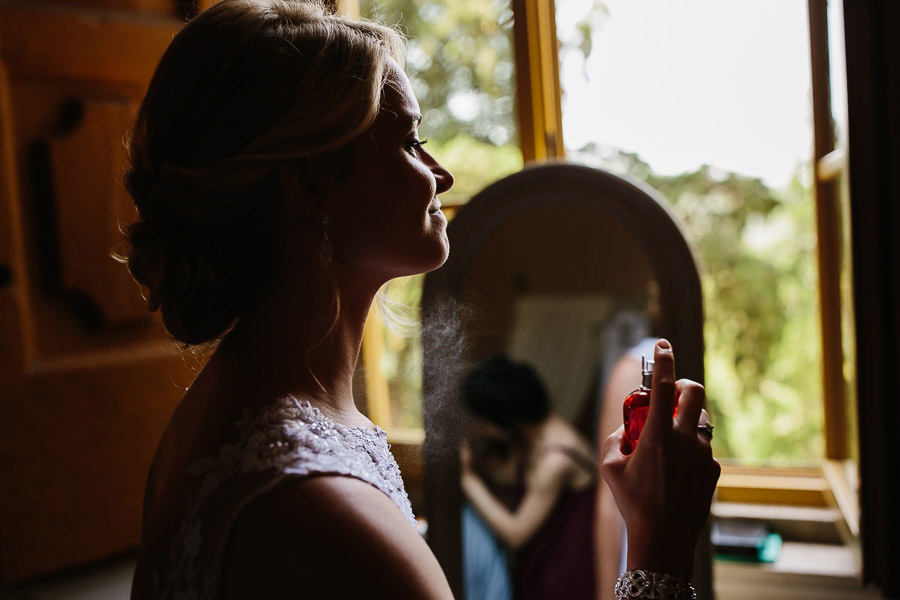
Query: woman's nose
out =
(443, 177)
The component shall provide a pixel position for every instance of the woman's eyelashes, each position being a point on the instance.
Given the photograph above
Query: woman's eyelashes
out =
(415, 142)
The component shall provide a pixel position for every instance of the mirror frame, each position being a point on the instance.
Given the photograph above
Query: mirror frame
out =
(640, 209)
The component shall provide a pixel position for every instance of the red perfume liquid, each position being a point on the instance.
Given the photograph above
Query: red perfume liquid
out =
(637, 406)
(635, 410)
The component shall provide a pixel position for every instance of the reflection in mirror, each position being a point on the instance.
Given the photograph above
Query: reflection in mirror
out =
(563, 270)
(529, 479)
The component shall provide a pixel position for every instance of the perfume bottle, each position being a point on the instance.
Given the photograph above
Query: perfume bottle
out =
(637, 406)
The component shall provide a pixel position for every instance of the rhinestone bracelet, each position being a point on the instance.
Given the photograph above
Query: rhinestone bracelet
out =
(655, 586)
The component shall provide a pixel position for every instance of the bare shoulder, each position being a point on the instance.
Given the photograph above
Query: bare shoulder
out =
(328, 536)
(552, 469)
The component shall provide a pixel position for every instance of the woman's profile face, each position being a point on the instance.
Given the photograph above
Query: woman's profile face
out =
(384, 215)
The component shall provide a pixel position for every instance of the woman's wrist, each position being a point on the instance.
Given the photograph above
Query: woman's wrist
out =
(674, 557)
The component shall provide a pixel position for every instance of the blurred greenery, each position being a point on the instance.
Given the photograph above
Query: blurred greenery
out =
(460, 63)
(475, 164)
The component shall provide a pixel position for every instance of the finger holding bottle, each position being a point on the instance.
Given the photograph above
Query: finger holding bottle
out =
(694, 419)
(691, 397)
(662, 402)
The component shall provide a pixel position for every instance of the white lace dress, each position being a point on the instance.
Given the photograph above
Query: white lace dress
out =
(292, 440)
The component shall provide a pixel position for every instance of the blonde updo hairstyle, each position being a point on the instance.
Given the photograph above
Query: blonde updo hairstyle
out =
(244, 88)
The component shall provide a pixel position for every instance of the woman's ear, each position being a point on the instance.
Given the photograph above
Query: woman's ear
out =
(300, 189)
(308, 179)
(290, 178)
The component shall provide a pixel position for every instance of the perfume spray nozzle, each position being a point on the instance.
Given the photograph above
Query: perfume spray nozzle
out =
(646, 371)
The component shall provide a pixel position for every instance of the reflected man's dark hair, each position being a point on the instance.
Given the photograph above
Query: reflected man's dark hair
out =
(506, 393)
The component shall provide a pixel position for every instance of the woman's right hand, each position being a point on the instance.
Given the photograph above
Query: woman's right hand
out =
(664, 488)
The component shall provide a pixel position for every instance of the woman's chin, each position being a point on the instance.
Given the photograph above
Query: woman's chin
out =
(437, 253)
(435, 258)
(445, 250)
(424, 260)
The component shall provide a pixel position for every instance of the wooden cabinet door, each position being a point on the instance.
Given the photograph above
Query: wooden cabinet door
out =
(87, 378)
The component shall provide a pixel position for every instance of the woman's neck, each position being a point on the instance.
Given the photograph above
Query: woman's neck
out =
(291, 345)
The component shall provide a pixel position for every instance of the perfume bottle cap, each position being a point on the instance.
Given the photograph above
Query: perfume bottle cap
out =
(646, 372)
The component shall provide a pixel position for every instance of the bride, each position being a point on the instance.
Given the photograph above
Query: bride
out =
(280, 179)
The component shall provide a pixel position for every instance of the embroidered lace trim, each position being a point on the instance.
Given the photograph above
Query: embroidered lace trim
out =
(293, 439)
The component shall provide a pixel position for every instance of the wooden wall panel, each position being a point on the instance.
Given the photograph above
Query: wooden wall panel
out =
(90, 206)
(78, 455)
(87, 379)
(56, 42)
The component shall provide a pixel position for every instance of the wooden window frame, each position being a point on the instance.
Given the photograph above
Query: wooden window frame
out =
(538, 92)
(829, 164)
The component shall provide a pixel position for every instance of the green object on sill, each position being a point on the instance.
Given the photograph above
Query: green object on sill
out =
(771, 548)
(745, 541)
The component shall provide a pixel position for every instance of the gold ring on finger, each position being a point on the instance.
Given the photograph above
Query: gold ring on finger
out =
(706, 430)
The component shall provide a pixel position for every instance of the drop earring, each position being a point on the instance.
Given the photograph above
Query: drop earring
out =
(327, 248)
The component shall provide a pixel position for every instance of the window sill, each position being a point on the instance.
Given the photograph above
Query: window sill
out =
(834, 485)
(784, 486)
(811, 524)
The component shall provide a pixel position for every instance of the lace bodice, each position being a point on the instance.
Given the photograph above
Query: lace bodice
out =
(291, 440)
